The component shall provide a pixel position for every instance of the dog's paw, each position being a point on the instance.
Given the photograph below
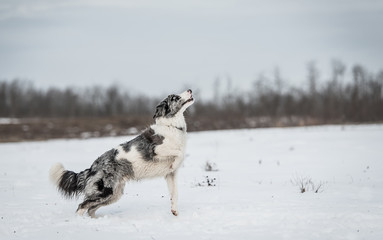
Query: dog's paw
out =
(175, 212)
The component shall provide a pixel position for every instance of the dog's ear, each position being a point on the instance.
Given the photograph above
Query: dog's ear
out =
(162, 109)
(158, 111)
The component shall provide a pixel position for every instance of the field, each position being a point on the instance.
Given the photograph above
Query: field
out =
(253, 191)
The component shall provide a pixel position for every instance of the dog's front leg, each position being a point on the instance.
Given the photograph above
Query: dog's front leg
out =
(172, 185)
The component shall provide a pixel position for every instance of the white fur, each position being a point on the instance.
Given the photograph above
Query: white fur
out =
(133, 155)
(145, 169)
(55, 173)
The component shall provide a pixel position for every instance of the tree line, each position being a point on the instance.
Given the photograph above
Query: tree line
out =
(355, 96)
(22, 99)
(348, 95)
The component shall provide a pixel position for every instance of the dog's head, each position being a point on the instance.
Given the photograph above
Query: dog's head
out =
(173, 104)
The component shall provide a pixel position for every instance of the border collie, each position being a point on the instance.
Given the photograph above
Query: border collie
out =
(157, 152)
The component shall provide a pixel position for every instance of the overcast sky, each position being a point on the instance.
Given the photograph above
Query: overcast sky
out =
(158, 47)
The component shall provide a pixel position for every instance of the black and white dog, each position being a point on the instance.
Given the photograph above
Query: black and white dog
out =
(156, 152)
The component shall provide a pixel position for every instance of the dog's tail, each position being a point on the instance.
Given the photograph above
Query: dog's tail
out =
(69, 183)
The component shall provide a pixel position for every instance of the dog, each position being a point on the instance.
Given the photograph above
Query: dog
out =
(157, 152)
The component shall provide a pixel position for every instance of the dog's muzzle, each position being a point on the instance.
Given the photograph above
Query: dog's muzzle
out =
(187, 95)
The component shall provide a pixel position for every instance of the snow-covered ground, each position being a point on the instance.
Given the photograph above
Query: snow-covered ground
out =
(254, 196)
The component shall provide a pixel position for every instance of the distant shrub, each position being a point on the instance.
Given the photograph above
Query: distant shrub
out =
(211, 167)
(306, 184)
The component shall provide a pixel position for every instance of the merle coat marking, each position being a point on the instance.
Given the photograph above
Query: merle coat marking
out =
(157, 151)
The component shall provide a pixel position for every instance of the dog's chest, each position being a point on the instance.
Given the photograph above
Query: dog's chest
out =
(173, 138)
(172, 147)
(175, 142)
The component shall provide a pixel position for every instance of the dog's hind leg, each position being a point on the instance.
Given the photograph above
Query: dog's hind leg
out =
(106, 197)
(117, 193)
(91, 205)
(96, 199)
(172, 185)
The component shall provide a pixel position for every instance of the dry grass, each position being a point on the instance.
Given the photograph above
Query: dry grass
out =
(51, 128)
(27, 129)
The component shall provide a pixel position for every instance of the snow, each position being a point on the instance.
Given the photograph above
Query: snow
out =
(9, 121)
(252, 196)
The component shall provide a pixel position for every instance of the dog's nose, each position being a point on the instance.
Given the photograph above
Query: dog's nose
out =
(190, 91)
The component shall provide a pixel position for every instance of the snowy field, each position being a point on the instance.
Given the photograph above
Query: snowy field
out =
(254, 194)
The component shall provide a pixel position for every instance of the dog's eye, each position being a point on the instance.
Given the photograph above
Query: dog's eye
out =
(175, 98)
